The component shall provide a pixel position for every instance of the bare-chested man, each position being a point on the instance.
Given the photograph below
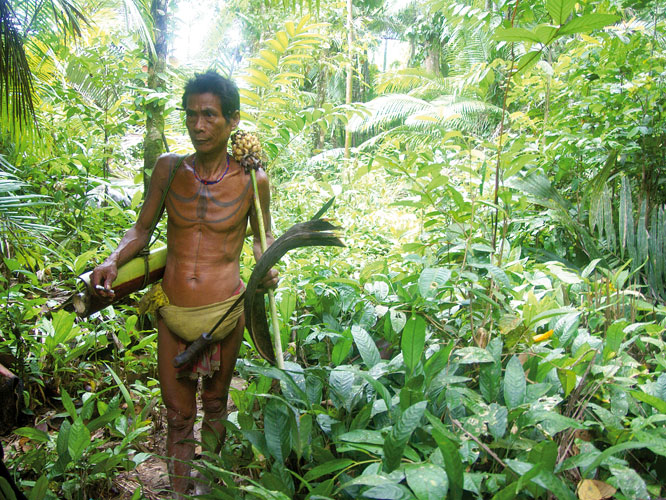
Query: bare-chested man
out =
(208, 204)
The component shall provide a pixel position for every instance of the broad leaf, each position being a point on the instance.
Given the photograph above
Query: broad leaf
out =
(366, 346)
(560, 10)
(515, 385)
(515, 35)
(427, 481)
(277, 429)
(469, 355)
(587, 22)
(328, 468)
(79, 439)
(396, 441)
(432, 279)
(413, 341)
(452, 462)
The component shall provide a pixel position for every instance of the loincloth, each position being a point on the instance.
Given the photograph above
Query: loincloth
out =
(189, 323)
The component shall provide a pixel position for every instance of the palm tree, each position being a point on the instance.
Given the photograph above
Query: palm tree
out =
(19, 21)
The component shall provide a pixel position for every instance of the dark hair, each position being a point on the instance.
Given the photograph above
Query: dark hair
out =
(222, 87)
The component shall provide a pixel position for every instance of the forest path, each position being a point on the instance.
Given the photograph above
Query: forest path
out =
(151, 476)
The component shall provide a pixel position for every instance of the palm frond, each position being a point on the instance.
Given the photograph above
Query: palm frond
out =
(15, 77)
(13, 204)
(415, 81)
(387, 110)
(446, 113)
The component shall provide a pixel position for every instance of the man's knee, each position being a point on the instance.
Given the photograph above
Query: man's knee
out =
(180, 420)
(214, 405)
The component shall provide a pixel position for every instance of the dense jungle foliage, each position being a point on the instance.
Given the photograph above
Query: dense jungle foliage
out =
(494, 327)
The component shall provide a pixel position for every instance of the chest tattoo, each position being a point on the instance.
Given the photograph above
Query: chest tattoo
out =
(202, 198)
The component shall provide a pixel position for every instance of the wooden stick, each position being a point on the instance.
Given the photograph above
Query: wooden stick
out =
(277, 341)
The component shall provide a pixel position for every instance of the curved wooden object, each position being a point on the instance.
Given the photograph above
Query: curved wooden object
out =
(316, 232)
(312, 233)
(130, 279)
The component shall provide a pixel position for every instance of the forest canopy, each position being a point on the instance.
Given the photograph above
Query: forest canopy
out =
(494, 326)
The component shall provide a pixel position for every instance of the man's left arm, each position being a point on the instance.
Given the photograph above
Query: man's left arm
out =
(263, 188)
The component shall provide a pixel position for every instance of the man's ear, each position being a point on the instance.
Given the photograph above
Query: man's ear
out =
(235, 119)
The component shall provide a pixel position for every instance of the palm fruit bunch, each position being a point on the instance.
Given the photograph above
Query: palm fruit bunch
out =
(246, 150)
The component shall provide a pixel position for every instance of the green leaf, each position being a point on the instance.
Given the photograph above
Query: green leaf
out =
(6, 490)
(386, 491)
(32, 433)
(497, 419)
(551, 421)
(560, 10)
(515, 35)
(528, 60)
(395, 442)
(341, 381)
(398, 320)
(79, 439)
(470, 355)
(67, 403)
(432, 279)
(277, 429)
(452, 463)
(38, 491)
(588, 22)
(586, 470)
(568, 380)
(629, 482)
(366, 346)
(515, 384)
(490, 375)
(379, 387)
(427, 481)
(123, 390)
(328, 468)
(341, 351)
(660, 387)
(413, 341)
(653, 401)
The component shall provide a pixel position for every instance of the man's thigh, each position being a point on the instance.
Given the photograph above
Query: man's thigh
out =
(177, 393)
(217, 386)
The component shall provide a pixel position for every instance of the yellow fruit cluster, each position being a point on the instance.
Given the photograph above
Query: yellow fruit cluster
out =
(243, 144)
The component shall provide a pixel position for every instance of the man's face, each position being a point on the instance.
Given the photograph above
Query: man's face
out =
(209, 130)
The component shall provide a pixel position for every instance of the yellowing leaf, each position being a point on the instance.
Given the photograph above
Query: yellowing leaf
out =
(543, 336)
(269, 56)
(276, 45)
(282, 39)
(592, 489)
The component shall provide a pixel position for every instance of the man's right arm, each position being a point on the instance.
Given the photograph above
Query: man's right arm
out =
(137, 237)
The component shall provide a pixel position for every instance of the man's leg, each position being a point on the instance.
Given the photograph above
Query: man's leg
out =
(215, 389)
(179, 396)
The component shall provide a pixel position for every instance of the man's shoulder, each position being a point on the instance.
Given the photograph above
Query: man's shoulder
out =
(167, 162)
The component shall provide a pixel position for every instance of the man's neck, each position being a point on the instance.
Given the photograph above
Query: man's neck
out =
(210, 162)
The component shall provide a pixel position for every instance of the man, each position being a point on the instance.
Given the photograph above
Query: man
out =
(208, 204)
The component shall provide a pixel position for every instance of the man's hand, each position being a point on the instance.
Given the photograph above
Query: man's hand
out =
(270, 279)
(103, 277)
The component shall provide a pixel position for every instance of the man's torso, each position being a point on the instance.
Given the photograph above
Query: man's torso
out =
(205, 232)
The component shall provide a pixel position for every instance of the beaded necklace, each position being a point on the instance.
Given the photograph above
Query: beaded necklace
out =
(204, 181)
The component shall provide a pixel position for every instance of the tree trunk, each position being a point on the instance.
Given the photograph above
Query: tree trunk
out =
(153, 143)
(432, 58)
(348, 99)
(318, 131)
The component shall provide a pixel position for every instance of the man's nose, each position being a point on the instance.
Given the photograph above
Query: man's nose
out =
(198, 123)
